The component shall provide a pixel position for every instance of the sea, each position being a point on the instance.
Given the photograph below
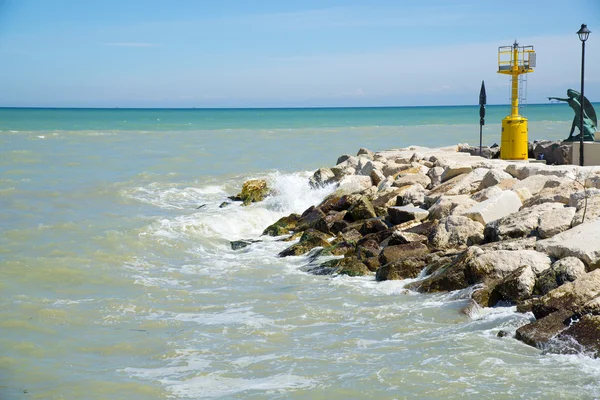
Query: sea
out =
(118, 281)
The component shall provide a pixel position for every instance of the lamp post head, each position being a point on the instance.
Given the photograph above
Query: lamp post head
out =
(583, 33)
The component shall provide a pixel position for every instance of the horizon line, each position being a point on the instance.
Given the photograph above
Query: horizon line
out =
(259, 108)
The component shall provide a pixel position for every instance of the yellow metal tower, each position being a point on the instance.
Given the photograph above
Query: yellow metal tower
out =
(515, 60)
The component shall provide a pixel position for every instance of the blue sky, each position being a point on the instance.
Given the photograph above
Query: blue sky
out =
(230, 53)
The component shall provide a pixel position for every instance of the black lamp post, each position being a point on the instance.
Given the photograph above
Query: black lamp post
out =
(583, 33)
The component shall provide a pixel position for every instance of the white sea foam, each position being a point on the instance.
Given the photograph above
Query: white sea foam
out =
(214, 385)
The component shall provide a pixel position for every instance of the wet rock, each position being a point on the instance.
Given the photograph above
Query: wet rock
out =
(310, 218)
(367, 249)
(540, 332)
(404, 237)
(402, 214)
(353, 267)
(240, 244)
(585, 333)
(407, 268)
(254, 190)
(224, 204)
(518, 285)
(394, 253)
(372, 225)
(562, 271)
(448, 276)
(362, 209)
(502, 333)
(310, 239)
(282, 226)
(455, 232)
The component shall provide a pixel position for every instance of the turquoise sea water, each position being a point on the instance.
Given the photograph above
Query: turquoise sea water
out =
(116, 286)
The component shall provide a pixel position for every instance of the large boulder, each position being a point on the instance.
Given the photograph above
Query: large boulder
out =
(310, 239)
(553, 223)
(561, 309)
(412, 194)
(500, 263)
(254, 190)
(536, 183)
(522, 223)
(449, 274)
(354, 184)
(455, 232)
(493, 177)
(322, 177)
(582, 241)
(494, 208)
(407, 268)
(351, 266)
(282, 226)
(587, 203)
(362, 209)
(449, 205)
(455, 169)
(435, 174)
(384, 200)
(394, 253)
(402, 214)
(562, 271)
(518, 285)
(412, 179)
(549, 194)
(487, 193)
(523, 170)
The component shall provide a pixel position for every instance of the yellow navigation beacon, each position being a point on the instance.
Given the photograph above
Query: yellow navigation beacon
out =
(515, 61)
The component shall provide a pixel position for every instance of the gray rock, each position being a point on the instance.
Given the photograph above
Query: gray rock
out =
(322, 177)
(455, 169)
(412, 179)
(449, 205)
(494, 208)
(582, 241)
(555, 222)
(523, 223)
(493, 177)
(456, 232)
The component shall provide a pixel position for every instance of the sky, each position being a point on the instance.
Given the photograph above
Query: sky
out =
(286, 53)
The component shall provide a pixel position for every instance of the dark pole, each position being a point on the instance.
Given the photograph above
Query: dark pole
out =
(583, 34)
(482, 101)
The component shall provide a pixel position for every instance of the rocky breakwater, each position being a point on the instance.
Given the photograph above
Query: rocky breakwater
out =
(511, 233)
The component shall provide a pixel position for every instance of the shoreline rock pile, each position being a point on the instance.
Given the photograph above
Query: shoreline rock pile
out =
(518, 233)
